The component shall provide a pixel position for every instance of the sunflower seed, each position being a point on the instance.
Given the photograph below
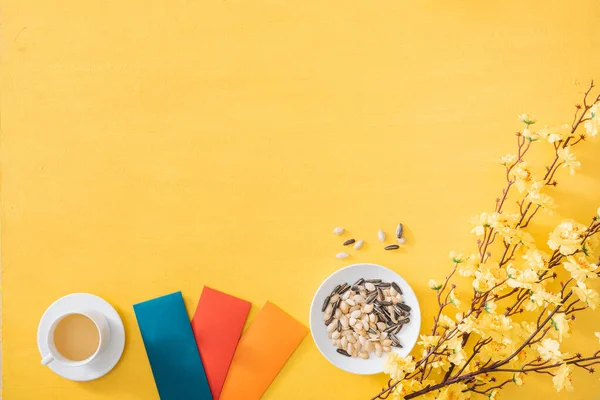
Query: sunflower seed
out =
(325, 303)
(349, 242)
(404, 321)
(355, 288)
(371, 298)
(338, 231)
(392, 247)
(383, 285)
(343, 352)
(342, 255)
(344, 290)
(399, 230)
(385, 303)
(372, 331)
(381, 235)
(396, 287)
(330, 320)
(380, 295)
(359, 282)
(373, 281)
(404, 306)
(359, 244)
(398, 329)
(339, 326)
(390, 328)
(335, 290)
(336, 304)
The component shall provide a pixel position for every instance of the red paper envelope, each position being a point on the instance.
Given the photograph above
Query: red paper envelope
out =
(263, 351)
(217, 326)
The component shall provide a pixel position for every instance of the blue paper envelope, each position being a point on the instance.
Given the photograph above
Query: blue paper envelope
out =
(171, 349)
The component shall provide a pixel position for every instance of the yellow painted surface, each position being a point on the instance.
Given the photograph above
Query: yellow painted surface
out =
(153, 146)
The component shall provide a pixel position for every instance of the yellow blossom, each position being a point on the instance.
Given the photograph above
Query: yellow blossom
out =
(588, 296)
(408, 386)
(568, 159)
(563, 378)
(530, 135)
(397, 366)
(469, 266)
(490, 307)
(521, 175)
(539, 297)
(487, 276)
(518, 378)
(466, 324)
(453, 297)
(434, 285)
(454, 392)
(593, 124)
(555, 134)
(457, 258)
(561, 326)
(566, 237)
(580, 268)
(446, 322)
(481, 222)
(457, 356)
(536, 259)
(508, 159)
(527, 119)
(549, 349)
(538, 198)
(428, 341)
(521, 279)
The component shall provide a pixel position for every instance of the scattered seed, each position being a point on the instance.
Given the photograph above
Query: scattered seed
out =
(399, 230)
(325, 303)
(342, 255)
(349, 242)
(381, 235)
(402, 240)
(343, 352)
(359, 244)
(396, 287)
(338, 231)
(392, 247)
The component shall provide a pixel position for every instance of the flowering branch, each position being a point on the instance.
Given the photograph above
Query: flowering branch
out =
(522, 275)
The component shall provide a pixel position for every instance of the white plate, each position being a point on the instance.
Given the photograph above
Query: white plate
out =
(408, 335)
(105, 361)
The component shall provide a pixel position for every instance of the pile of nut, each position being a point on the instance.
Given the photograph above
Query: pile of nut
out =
(365, 317)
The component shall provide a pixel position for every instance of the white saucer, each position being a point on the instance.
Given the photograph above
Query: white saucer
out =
(408, 336)
(107, 359)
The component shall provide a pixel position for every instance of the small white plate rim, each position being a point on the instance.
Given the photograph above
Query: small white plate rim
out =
(106, 361)
(409, 335)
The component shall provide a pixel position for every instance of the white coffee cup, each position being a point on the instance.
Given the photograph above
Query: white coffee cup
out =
(103, 339)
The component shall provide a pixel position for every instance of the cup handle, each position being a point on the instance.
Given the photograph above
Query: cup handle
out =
(47, 359)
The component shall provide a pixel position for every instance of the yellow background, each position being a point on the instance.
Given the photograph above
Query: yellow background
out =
(153, 146)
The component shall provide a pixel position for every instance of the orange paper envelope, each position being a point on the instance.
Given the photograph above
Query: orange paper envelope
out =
(261, 354)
